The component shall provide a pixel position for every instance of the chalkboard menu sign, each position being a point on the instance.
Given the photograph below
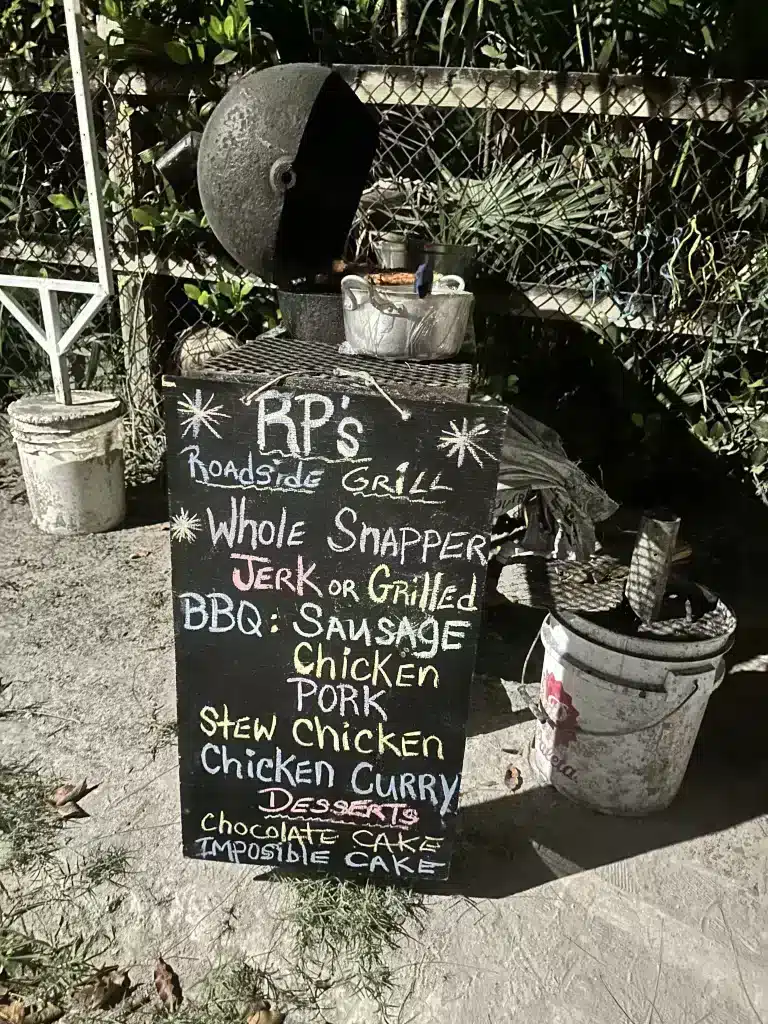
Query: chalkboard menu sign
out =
(329, 553)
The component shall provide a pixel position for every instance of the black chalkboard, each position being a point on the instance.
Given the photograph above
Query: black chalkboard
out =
(328, 559)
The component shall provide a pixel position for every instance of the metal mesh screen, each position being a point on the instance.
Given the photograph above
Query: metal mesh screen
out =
(277, 355)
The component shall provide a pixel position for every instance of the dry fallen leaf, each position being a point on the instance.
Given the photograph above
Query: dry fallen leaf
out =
(513, 778)
(71, 794)
(13, 1013)
(167, 985)
(69, 811)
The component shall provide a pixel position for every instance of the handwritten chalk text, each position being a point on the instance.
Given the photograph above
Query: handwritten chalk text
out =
(269, 476)
(399, 544)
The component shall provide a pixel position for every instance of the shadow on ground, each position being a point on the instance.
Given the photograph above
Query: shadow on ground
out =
(523, 840)
(146, 503)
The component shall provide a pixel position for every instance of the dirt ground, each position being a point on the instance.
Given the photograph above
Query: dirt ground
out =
(554, 914)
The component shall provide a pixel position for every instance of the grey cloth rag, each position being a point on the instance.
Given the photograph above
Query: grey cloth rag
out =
(557, 501)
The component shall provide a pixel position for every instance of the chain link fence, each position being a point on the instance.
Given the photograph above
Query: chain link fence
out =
(630, 208)
(621, 208)
(175, 288)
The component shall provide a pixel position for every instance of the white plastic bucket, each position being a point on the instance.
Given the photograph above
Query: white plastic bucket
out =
(72, 460)
(618, 715)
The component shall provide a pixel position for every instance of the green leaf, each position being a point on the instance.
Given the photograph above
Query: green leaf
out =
(205, 299)
(146, 216)
(216, 30)
(468, 7)
(246, 288)
(708, 41)
(444, 23)
(378, 10)
(638, 419)
(225, 57)
(229, 27)
(192, 291)
(759, 427)
(61, 202)
(717, 433)
(759, 456)
(178, 52)
(224, 288)
(111, 9)
(492, 53)
(605, 51)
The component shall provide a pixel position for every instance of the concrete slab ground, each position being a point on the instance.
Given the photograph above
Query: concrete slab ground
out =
(554, 914)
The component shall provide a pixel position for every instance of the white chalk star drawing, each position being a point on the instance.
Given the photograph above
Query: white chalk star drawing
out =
(196, 415)
(461, 441)
(184, 526)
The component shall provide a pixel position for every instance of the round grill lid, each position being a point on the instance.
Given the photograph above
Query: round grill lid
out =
(281, 168)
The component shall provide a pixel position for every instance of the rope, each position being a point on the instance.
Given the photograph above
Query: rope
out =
(367, 378)
(247, 399)
(361, 375)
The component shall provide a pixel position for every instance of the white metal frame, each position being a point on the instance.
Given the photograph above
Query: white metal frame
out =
(53, 337)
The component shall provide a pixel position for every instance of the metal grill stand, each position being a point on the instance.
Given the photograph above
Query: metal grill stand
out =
(275, 354)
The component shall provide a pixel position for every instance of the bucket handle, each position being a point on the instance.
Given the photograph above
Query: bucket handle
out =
(452, 283)
(370, 294)
(537, 709)
(348, 290)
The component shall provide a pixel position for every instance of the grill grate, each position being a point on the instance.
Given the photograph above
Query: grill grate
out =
(564, 586)
(275, 353)
(597, 589)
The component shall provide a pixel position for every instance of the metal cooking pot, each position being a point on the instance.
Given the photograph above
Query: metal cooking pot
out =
(394, 323)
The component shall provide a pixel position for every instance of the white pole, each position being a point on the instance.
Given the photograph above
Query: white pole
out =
(61, 387)
(88, 142)
(55, 340)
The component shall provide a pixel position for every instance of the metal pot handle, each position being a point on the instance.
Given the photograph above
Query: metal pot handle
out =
(375, 297)
(348, 286)
(453, 282)
(538, 711)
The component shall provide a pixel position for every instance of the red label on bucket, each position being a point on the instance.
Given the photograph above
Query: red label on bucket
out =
(559, 707)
